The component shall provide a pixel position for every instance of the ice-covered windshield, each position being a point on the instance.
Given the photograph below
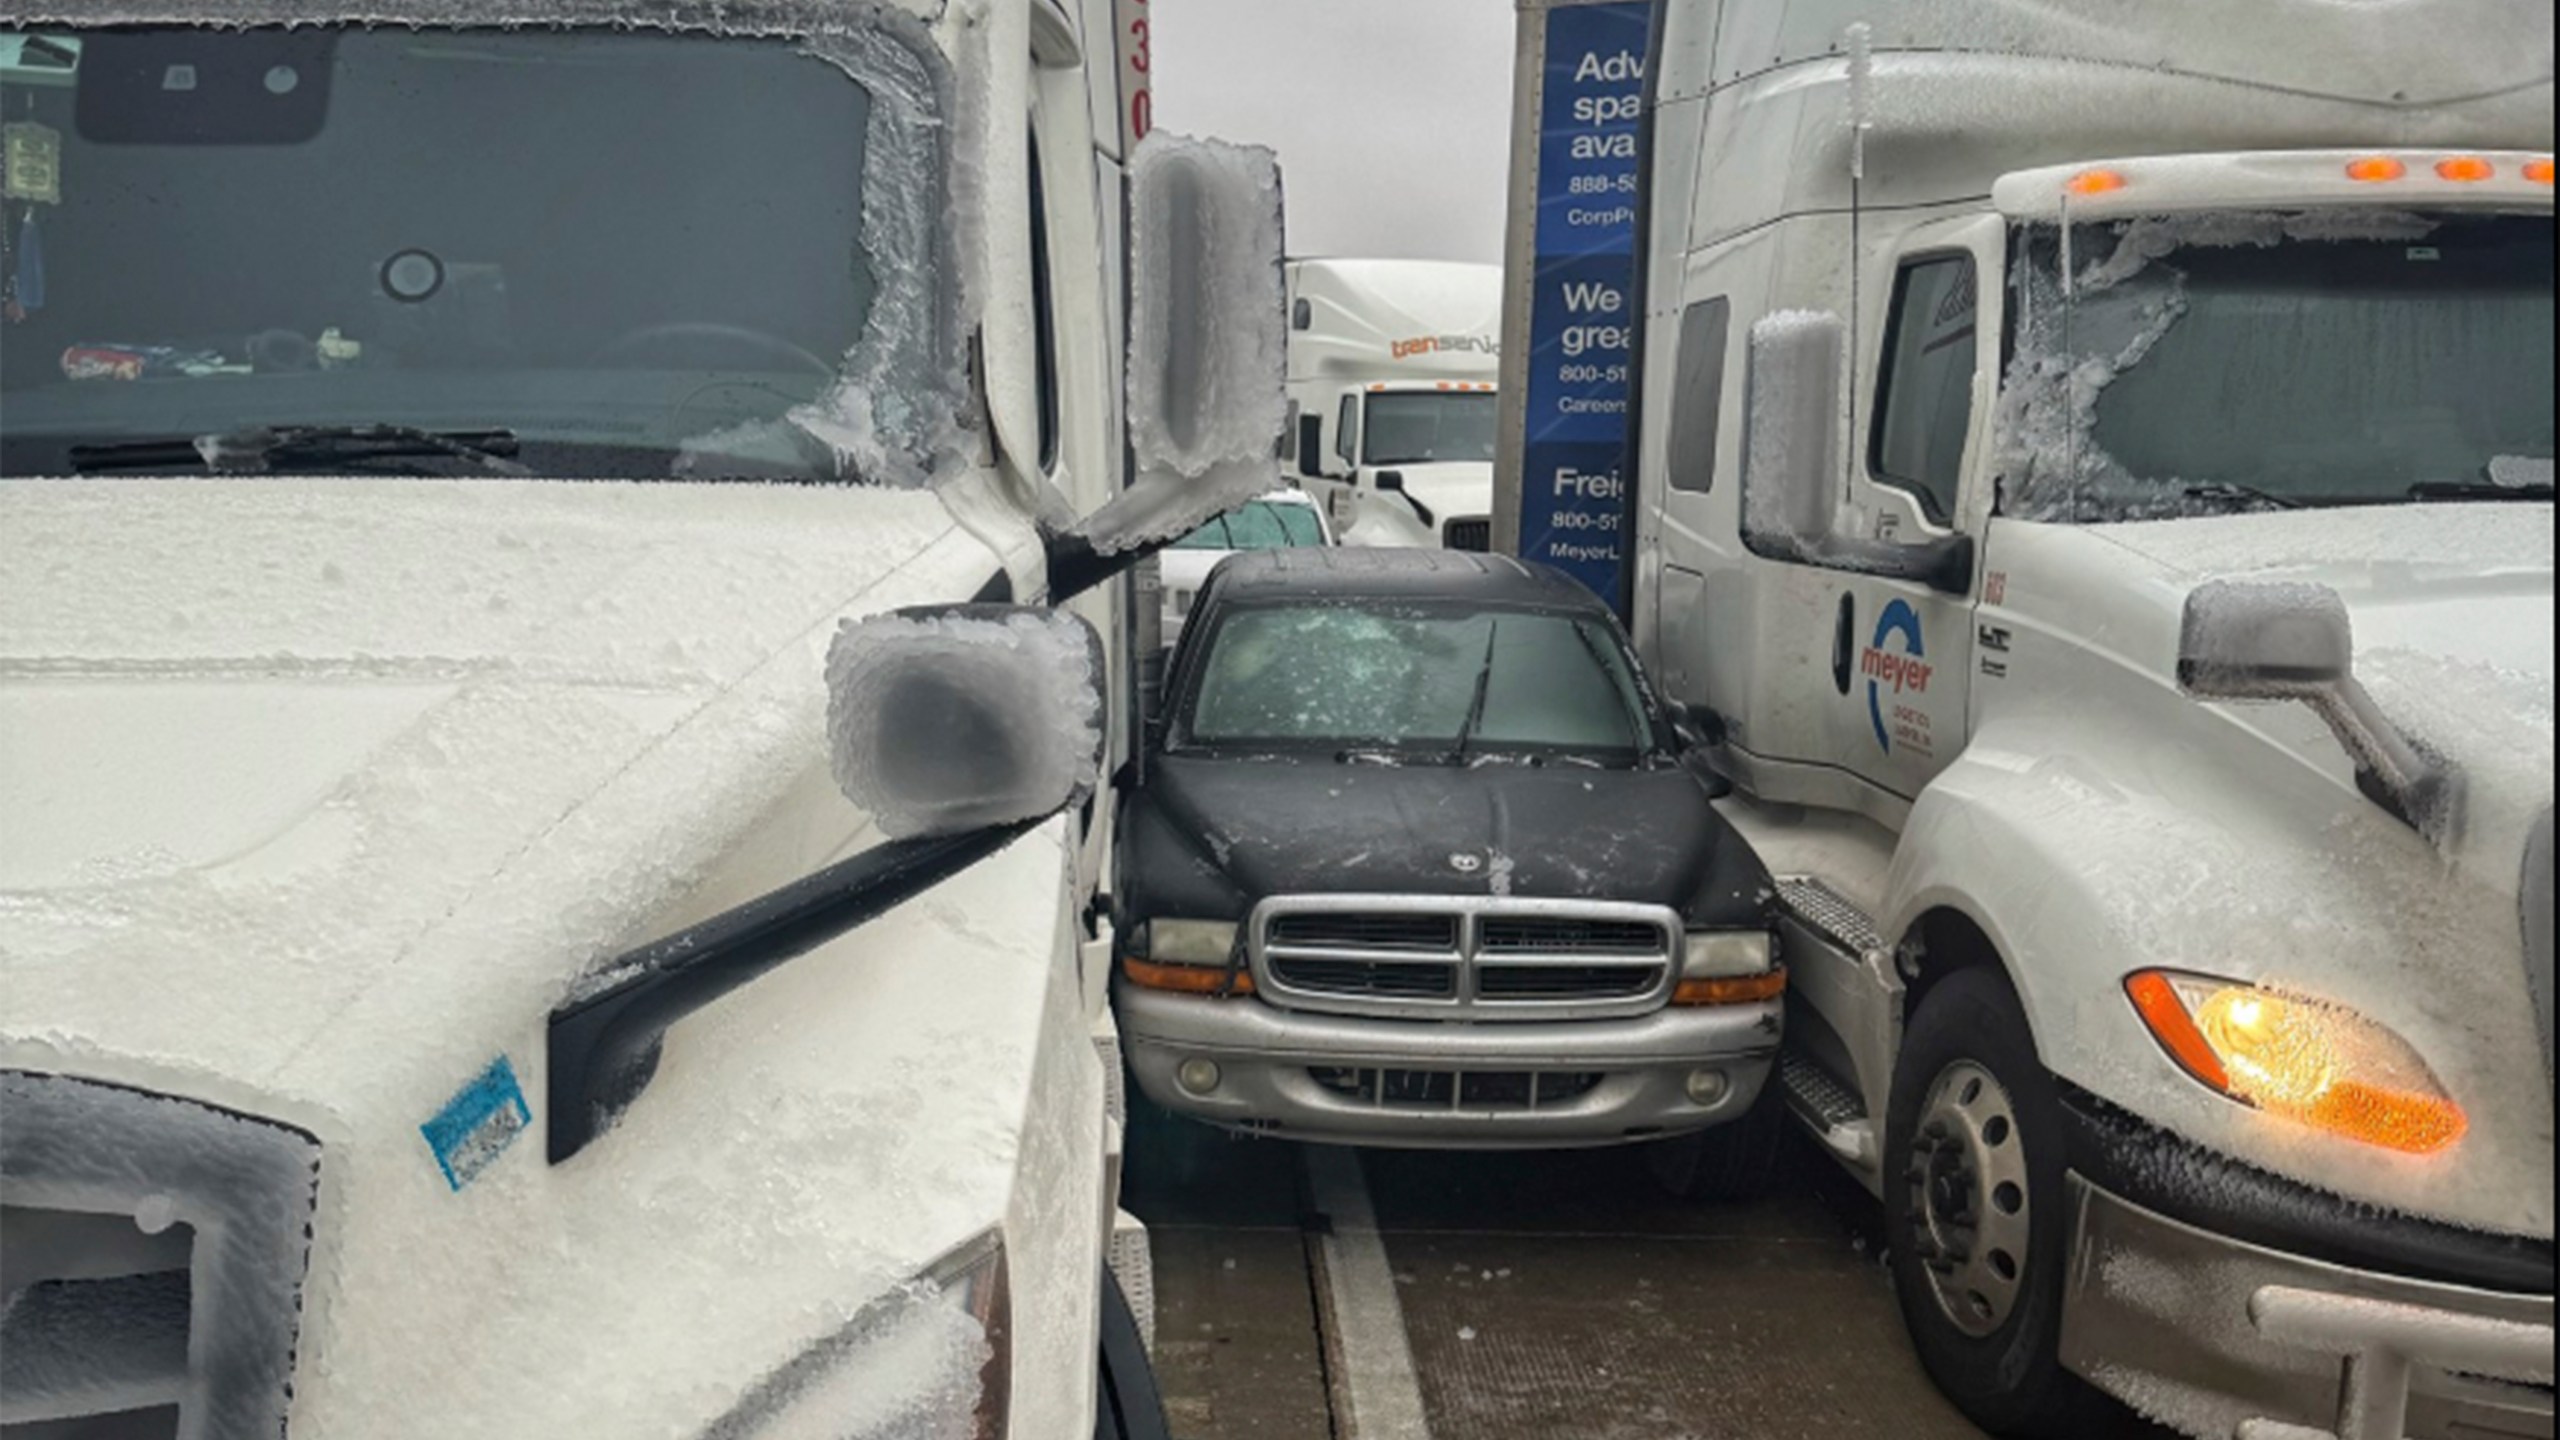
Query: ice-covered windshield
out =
(630, 254)
(2197, 365)
(1403, 677)
(1258, 525)
(1430, 428)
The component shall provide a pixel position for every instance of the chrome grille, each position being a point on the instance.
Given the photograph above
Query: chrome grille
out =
(1464, 958)
(1472, 534)
(114, 1322)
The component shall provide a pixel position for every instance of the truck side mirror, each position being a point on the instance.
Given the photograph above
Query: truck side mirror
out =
(2285, 641)
(959, 728)
(1311, 446)
(1791, 473)
(1208, 352)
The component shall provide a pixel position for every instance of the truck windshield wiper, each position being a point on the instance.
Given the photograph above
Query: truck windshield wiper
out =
(303, 447)
(1484, 687)
(2226, 492)
(2477, 490)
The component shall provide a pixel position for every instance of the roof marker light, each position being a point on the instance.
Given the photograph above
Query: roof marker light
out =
(2096, 182)
(2375, 169)
(2538, 171)
(2466, 169)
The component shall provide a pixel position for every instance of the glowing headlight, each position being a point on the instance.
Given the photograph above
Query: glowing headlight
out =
(2310, 1061)
(931, 1362)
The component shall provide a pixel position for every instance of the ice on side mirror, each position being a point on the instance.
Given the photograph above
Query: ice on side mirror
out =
(1791, 460)
(2257, 640)
(1208, 339)
(953, 718)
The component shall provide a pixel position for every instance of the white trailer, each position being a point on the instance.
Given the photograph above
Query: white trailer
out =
(2035, 399)
(1393, 368)
(552, 829)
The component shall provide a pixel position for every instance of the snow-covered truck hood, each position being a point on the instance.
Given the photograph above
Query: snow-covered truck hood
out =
(2256, 820)
(321, 795)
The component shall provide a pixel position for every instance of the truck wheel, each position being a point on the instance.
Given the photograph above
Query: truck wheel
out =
(1975, 1212)
(1732, 1164)
(1126, 1404)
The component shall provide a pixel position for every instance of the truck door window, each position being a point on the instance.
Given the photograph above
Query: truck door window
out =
(1698, 400)
(1924, 394)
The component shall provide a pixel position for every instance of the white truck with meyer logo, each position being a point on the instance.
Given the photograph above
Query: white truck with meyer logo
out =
(1393, 383)
(475, 476)
(2096, 489)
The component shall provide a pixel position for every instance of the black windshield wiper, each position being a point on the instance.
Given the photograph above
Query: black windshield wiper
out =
(2226, 492)
(1484, 687)
(303, 447)
(2477, 490)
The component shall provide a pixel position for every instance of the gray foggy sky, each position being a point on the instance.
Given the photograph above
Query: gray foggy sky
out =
(1392, 117)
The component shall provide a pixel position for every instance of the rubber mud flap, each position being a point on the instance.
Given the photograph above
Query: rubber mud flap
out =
(1126, 1404)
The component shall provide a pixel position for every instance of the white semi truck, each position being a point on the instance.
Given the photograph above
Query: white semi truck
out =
(1392, 382)
(475, 475)
(2096, 490)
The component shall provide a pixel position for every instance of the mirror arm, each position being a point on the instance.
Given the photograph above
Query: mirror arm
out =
(2414, 787)
(603, 1049)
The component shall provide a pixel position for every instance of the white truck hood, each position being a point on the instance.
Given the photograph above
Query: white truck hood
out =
(319, 797)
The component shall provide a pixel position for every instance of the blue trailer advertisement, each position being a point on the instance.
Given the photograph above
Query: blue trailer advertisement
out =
(1582, 319)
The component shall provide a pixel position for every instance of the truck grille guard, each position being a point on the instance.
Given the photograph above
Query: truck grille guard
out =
(2384, 1345)
(156, 1253)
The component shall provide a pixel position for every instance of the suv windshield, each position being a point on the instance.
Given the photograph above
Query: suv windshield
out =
(1400, 677)
(2200, 364)
(627, 253)
(1260, 525)
(1430, 428)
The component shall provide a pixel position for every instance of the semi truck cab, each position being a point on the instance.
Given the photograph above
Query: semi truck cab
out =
(2095, 480)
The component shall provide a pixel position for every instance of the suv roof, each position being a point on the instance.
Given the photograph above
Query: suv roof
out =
(1399, 574)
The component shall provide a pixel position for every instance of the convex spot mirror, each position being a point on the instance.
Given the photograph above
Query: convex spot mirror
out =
(1792, 476)
(951, 718)
(1208, 351)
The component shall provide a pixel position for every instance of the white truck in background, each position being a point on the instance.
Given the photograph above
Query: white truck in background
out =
(441, 990)
(2095, 490)
(1393, 367)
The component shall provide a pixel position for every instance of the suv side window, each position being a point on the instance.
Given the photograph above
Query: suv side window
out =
(1698, 394)
(1924, 394)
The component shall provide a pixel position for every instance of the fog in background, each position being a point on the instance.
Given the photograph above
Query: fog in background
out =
(1392, 117)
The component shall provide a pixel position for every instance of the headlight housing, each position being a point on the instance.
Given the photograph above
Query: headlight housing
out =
(1729, 967)
(932, 1361)
(1187, 957)
(2311, 1061)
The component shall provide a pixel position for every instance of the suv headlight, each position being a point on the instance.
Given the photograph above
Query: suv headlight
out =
(1187, 957)
(932, 1361)
(2308, 1060)
(1729, 967)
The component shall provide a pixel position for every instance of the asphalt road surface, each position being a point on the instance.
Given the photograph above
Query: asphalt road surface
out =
(1315, 1294)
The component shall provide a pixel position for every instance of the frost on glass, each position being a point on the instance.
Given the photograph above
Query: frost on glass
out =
(940, 723)
(87, 1332)
(2085, 323)
(1208, 338)
(1792, 447)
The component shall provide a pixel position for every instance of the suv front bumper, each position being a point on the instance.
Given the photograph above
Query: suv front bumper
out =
(1460, 1086)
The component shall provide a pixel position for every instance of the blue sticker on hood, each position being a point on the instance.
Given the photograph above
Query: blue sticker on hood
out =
(476, 1126)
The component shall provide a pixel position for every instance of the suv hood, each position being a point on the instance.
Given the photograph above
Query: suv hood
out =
(1214, 836)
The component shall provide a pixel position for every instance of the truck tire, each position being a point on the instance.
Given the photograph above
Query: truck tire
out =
(1976, 1213)
(1734, 1163)
(1126, 1403)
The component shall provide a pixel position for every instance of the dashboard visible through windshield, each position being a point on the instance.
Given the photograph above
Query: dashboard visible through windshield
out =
(651, 250)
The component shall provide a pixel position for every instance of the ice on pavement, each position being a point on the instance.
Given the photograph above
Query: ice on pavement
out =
(1205, 424)
(944, 724)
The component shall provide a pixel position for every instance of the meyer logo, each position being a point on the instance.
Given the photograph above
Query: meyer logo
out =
(1906, 670)
(1445, 345)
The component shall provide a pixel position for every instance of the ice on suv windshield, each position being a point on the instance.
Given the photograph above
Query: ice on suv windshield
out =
(2198, 363)
(1402, 677)
(632, 252)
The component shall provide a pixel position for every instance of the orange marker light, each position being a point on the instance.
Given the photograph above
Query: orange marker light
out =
(2538, 171)
(1746, 990)
(2096, 182)
(2375, 169)
(2467, 169)
(1184, 979)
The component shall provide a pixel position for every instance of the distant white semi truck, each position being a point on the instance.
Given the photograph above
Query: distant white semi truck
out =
(2094, 484)
(1392, 367)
